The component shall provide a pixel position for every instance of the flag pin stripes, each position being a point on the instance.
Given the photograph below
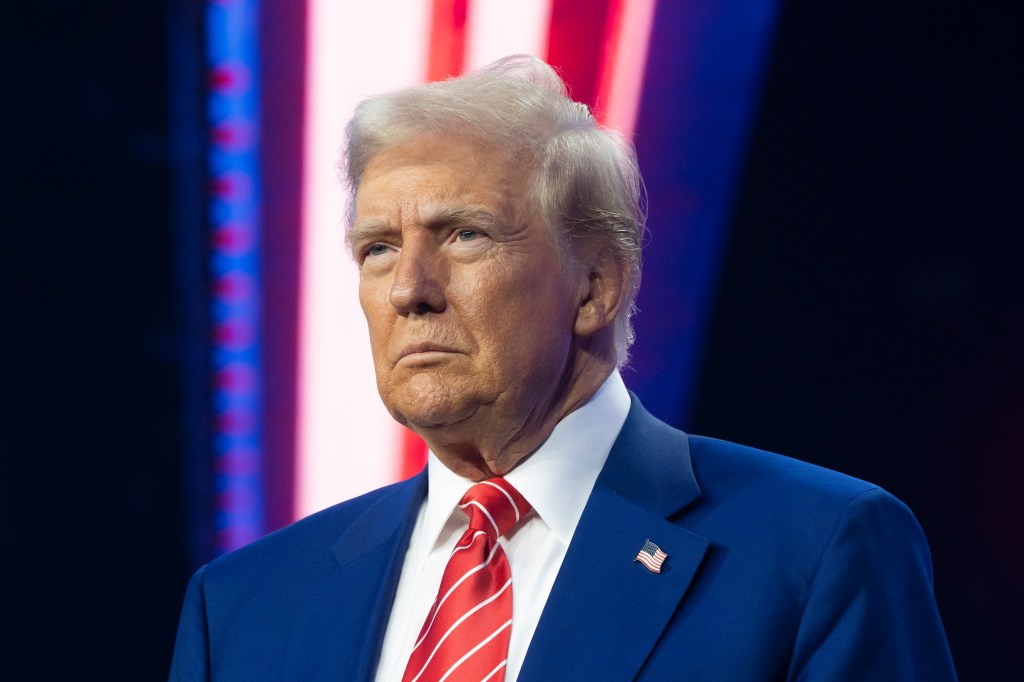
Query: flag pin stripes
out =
(651, 556)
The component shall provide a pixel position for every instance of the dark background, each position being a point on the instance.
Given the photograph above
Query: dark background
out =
(867, 317)
(870, 317)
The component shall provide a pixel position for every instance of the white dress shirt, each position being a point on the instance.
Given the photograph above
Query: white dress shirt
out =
(556, 479)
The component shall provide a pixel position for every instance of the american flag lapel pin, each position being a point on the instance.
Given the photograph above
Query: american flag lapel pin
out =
(651, 556)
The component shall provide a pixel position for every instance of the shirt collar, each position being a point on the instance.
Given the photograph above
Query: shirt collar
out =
(558, 477)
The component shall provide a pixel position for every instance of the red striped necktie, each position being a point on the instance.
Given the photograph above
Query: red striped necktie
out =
(466, 634)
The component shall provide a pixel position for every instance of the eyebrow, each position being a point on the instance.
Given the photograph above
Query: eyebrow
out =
(458, 215)
(368, 229)
(443, 216)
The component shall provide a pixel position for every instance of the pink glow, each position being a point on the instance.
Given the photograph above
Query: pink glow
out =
(346, 443)
(498, 28)
(625, 58)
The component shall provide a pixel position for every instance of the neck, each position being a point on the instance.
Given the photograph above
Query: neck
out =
(493, 441)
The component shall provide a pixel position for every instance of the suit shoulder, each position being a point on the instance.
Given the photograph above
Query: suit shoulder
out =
(785, 495)
(722, 467)
(759, 505)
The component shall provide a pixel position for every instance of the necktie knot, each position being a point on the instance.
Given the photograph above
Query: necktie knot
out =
(494, 506)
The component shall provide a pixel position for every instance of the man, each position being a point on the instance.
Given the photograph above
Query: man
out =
(559, 531)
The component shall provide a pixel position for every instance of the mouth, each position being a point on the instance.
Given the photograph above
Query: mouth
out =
(423, 351)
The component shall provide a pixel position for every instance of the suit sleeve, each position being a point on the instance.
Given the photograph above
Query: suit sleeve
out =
(871, 613)
(191, 661)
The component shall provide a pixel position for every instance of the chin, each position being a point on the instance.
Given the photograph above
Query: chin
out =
(425, 403)
(427, 416)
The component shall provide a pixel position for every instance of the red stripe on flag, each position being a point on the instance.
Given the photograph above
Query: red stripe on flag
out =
(447, 39)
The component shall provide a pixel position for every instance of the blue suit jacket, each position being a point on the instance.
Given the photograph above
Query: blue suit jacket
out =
(776, 570)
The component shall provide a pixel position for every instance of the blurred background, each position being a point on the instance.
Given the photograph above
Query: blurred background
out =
(833, 272)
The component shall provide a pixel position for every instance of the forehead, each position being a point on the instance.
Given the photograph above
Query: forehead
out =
(439, 169)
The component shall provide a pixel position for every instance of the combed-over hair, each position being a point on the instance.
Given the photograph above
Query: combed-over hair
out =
(586, 184)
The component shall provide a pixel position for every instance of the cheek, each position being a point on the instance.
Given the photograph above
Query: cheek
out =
(521, 317)
(374, 303)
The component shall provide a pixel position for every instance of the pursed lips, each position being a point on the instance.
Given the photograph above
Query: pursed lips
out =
(422, 347)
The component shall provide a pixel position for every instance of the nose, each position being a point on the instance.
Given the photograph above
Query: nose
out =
(417, 288)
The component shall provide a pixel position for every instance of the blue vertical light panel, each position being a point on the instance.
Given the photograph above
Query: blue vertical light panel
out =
(234, 214)
(700, 94)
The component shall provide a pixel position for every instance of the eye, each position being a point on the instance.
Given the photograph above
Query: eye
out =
(468, 235)
(377, 250)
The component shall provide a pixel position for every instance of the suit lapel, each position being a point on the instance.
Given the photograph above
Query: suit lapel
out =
(338, 627)
(606, 611)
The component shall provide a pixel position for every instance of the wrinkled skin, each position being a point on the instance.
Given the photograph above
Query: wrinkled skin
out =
(482, 338)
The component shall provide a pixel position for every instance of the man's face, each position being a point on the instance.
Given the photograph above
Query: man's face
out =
(469, 308)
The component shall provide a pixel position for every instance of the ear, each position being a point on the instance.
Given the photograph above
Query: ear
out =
(602, 295)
